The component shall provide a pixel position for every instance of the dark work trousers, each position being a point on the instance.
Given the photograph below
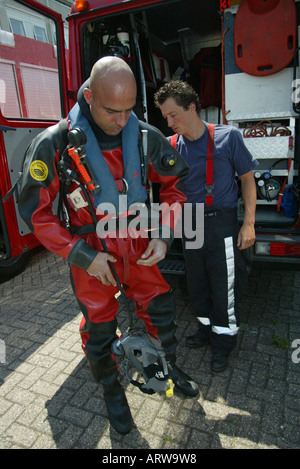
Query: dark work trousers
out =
(216, 277)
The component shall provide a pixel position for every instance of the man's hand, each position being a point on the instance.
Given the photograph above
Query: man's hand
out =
(246, 236)
(154, 253)
(100, 269)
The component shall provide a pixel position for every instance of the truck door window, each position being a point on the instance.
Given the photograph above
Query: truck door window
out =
(29, 84)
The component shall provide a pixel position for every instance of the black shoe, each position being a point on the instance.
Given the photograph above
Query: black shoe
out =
(118, 412)
(196, 341)
(182, 381)
(219, 362)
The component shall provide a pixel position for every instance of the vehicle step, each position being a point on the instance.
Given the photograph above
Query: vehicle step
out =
(167, 266)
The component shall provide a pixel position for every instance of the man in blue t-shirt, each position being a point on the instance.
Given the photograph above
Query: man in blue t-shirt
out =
(216, 272)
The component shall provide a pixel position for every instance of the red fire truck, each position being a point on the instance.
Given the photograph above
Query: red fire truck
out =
(241, 56)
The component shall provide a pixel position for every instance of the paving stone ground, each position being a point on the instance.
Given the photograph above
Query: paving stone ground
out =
(48, 398)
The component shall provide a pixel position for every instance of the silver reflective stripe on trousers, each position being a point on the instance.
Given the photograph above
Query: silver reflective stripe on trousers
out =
(232, 329)
(204, 321)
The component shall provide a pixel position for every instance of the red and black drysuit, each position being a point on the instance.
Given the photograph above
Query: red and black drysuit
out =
(145, 285)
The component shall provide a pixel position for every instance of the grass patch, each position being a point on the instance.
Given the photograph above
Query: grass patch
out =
(280, 342)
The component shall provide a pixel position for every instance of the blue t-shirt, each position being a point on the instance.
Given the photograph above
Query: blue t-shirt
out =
(231, 158)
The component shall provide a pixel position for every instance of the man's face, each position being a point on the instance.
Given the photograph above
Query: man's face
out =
(111, 108)
(177, 117)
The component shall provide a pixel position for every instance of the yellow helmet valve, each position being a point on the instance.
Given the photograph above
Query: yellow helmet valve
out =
(169, 389)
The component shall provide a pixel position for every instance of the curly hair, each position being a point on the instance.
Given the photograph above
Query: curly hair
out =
(180, 91)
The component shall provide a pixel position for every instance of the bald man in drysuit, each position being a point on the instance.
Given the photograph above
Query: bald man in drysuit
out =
(113, 132)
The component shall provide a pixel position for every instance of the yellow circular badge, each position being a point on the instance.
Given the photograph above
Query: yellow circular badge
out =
(38, 170)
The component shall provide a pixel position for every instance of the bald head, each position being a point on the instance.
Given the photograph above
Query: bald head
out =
(111, 72)
(111, 94)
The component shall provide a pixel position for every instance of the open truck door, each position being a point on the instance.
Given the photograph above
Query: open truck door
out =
(33, 96)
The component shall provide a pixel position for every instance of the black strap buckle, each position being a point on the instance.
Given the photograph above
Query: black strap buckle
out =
(209, 188)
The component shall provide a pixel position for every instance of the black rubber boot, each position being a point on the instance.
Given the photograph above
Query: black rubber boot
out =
(222, 345)
(117, 407)
(182, 381)
(219, 362)
(200, 339)
(104, 370)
